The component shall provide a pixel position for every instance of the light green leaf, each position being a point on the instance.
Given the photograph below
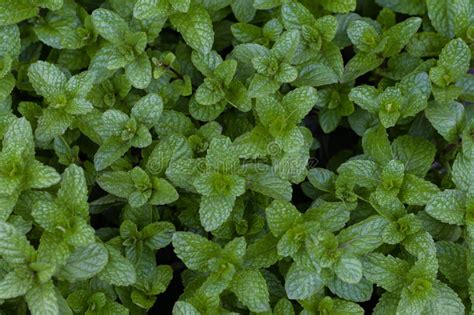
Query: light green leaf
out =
(14, 11)
(184, 308)
(196, 28)
(41, 176)
(339, 6)
(42, 300)
(360, 64)
(411, 7)
(282, 216)
(215, 210)
(417, 191)
(376, 145)
(447, 206)
(118, 183)
(85, 262)
(301, 283)
(366, 97)
(243, 10)
(463, 171)
(385, 271)
(194, 250)
(14, 247)
(47, 79)
(251, 289)
(362, 237)
(417, 154)
(110, 151)
(118, 270)
(444, 301)
(447, 119)
(148, 109)
(450, 17)
(73, 191)
(109, 25)
(349, 269)
(15, 283)
(163, 193)
(139, 72)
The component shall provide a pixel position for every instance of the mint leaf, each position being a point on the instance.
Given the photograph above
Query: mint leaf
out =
(251, 289)
(447, 206)
(42, 300)
(196, 28)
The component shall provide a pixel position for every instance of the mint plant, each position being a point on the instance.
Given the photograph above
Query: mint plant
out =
(194, 157)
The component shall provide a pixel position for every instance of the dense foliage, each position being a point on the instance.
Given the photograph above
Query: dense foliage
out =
(262, 156)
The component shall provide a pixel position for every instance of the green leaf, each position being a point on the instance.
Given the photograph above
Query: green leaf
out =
(148, 109)
(363, 35)
(398, 36)
(411, 303)
(85, 262)
(210, 92)
(261, 86)
(47, 79)
(362, 237)
(282, 216)
(349, 269)
(444, 301)
(184, 308)
(73, 192)
(463, 171)
(14, 247)
(386, 271)
(417, 191)
(262, 253)
(452, 258)
(15, 283)
(243, 10)
(417, 154)
(109, 25)
(196, 28)
(118, 183)
(215, 210)
(163, 193)
(359, 65)
(376, 145)
(322, 179)
(13, 11)
(356, 292)
(447, 119)
(11, 44)
(139, 72)
(366, 97)
(453, 61)
(283, 307)
(158, 234)
(411, 7)
(299, 102)
(285, 47)
(42, 300)
(110, 151)
(41, 176)
(118, 270)
(251, 289)
(339, 6)
(447, 206)
(365, 172)
(266, 182)
(194, 250)
(301, 283)
(52, 123)
(450, 17)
